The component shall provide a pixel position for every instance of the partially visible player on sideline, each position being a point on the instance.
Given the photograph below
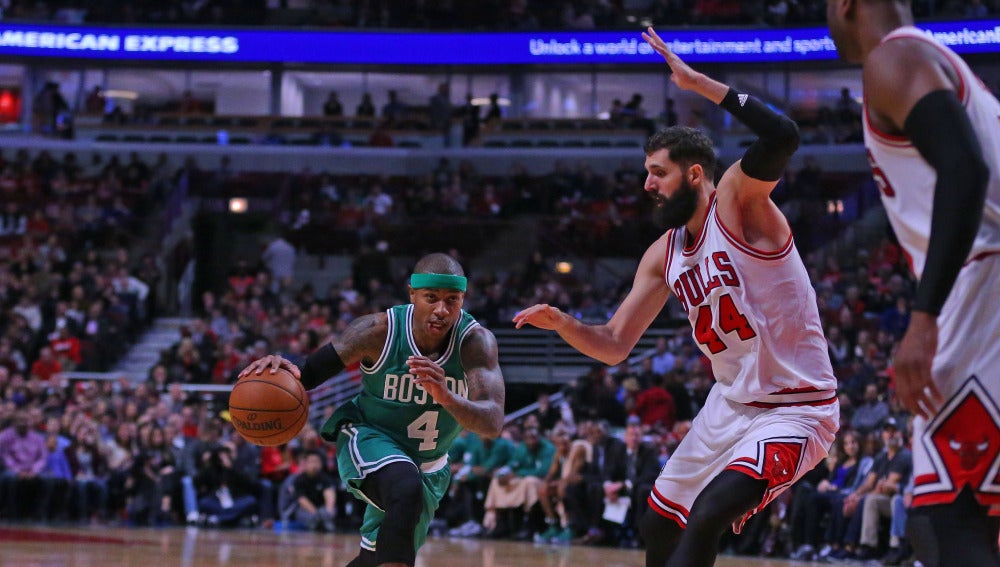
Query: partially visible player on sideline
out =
(729, 258)
(428, 370)
(932, 131)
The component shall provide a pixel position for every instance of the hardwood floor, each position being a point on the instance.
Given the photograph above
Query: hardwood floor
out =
(30, 546)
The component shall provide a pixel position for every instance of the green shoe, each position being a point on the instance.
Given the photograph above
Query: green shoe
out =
(548, 535)
(564, 537)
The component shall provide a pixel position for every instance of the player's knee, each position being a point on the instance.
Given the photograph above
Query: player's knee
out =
(406, 498)
(725, 500)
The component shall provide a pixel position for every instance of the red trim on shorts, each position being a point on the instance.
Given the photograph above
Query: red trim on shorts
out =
(745, 470)
(668, 515)
(922, 479)
(981, 256)
(738, 243)
(678, 514)
(798, 390)
(767, 405)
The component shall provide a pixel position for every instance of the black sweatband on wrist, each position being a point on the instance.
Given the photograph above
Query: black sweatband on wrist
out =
(777, 136)
(320, 366)
(941, 131)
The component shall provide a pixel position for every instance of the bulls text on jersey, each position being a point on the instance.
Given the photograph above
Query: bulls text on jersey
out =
(695, 284)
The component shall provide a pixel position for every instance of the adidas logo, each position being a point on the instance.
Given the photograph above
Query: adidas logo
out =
(743, 99)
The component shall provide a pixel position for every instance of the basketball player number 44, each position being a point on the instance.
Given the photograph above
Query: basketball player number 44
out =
(730, 321)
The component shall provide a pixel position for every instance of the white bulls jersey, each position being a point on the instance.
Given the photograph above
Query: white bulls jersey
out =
(754, 315)
(906, 181)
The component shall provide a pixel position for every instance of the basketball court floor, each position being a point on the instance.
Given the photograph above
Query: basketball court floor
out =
(27, 546)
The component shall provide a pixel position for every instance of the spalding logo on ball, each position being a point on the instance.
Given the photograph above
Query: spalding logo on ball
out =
(269, 409)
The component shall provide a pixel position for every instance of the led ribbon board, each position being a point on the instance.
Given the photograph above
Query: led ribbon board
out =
(418, 48)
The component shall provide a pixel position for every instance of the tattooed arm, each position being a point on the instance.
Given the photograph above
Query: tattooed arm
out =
(482, 412)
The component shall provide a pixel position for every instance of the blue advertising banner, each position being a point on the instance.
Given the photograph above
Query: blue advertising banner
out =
(418, 48)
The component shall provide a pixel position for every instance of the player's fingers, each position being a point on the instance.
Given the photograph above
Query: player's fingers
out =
(652, 34)
(934, 394)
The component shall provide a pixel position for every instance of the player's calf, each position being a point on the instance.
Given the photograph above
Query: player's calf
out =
(399, 490)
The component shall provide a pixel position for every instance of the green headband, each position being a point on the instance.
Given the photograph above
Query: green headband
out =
(437, 281)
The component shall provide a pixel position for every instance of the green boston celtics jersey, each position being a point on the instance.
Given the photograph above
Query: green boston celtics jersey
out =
(393, 403)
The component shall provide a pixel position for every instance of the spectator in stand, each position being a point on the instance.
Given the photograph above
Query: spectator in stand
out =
(514, 488)
(279, 257)
(152, 481)
(314, 494)
(663, 359)
(493, 114)
(850, 469)
(549, 414)
(564, 475)
(894, 470)
(24, 456)
(89, 465)
(440, 113)
(225, 496)
(65, 347)
(57, 470)
(332, 106)
(470, 121)
(654, 406)
(668, 117)
(394, 110)
(603, 478)
(95, 101)
(366, 108)
(474, 460)
(642, 466)
(896, 319)
(872, 413)
(46, 366)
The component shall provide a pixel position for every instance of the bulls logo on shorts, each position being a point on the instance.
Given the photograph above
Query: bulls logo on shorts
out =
(777, 461)
(962, 445)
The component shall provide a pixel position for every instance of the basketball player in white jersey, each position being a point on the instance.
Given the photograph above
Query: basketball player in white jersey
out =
(730, 260)
(932, 132)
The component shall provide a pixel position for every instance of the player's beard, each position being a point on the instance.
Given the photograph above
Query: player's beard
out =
(676, 211)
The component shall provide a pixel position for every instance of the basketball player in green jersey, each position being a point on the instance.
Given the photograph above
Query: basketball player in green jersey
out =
(429, 369)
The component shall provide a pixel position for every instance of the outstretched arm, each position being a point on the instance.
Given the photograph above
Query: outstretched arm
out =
(777, 135)
(613, 341)
(482, 412)
(907, 87)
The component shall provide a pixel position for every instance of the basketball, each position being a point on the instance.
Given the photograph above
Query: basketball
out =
(268, 409)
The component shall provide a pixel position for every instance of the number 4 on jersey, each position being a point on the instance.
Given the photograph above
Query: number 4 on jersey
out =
(424, 428)
(730, 320)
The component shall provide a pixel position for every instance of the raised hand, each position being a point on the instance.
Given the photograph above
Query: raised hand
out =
(681, 73)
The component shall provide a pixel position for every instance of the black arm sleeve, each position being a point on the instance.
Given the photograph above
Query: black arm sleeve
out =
(941, 131)
(320, 366)
(777, 136)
